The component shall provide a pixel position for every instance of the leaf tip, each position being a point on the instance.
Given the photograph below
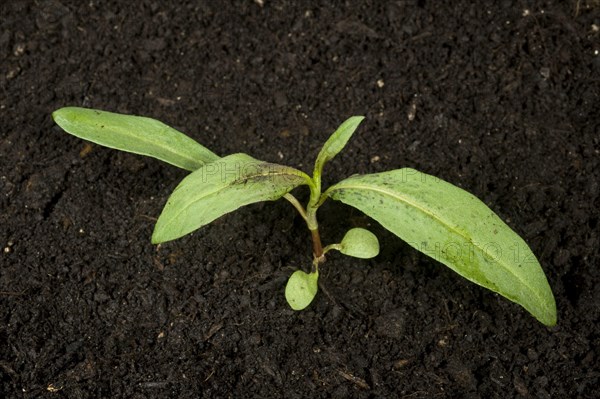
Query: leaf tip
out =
(64, 116)
(549, 319)
(58, 115)
(157, 236)
(355, 120)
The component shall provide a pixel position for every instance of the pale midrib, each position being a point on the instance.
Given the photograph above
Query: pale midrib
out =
(229, 184)
(173, 150)
(123, 131)
(435, 217)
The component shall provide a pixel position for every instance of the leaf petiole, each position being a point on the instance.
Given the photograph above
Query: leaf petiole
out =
(296, 205)
(336, 247)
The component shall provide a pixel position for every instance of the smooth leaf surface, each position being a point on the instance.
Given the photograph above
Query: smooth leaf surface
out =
(134, 134)
(455, 228)
(336, 142)
(301, 289)
(360, 243)
(220, 187)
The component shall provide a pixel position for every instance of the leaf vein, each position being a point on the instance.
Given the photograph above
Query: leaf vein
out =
(435, 217)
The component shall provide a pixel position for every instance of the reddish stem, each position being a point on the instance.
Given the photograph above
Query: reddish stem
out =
(317, 247)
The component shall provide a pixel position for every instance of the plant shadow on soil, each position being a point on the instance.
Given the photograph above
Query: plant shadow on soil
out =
(499, 99)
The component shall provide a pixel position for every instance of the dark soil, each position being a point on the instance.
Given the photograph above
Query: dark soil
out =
(499, 97)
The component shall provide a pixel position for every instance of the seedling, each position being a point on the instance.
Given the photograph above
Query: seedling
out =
(433, 216)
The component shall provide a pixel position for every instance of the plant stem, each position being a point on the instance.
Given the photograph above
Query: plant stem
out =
(317, 246)
(311, 221)
(315, 266)
(310, 216)
(313, 226)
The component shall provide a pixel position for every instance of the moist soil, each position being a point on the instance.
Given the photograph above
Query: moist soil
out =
(501, 98)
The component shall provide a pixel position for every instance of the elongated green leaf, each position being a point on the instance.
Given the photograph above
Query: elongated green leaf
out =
(336, 142)
(455, 228)
(221, 187)
(135, 134)
(301, 289)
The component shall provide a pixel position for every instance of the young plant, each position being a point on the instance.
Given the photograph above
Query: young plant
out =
(433, 216)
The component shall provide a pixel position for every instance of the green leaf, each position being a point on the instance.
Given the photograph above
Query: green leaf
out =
(336, 142)
(301, 289)
(134, 134)
(360, 243)
(455, 228)
(221, 187)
